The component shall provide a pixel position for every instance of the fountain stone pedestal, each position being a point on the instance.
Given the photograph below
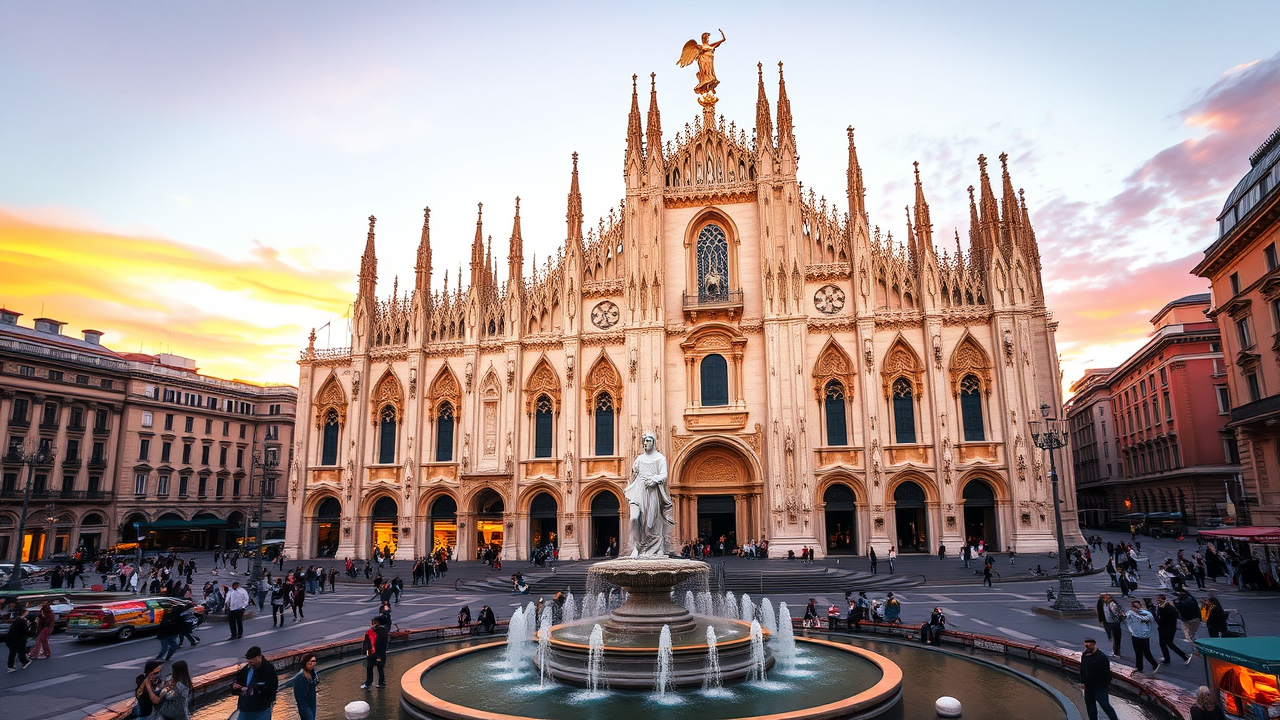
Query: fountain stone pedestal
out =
(648, 582)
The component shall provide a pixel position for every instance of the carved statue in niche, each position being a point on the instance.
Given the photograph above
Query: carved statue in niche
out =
(490, 429)
(408, 481)
(509, 461)
(633, 361)
(792, 509)
(937, 349)
(293, 479)
(355, 384)
(1007, 342)
(877, 462)
(511, 374)
(470, 371)
(948, 460)
(789, 462)
(568, 371)
(466, 452)
(413, 383)
(349, 479)
(864, 282)
(869, 353)
(1020, 450)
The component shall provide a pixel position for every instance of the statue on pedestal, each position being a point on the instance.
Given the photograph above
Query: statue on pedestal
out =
(649, 502)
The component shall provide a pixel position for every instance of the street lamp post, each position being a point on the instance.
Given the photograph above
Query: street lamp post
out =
(1052, 438)
(268, 464)
(29, 458)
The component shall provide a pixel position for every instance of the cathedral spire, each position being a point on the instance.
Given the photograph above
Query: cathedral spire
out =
(975, 225)
(764, 118)
(477, 250)
(635, 151)
(924, 228)
(515, 253)
(854, 188)
(488, 260)
(1010, 222)
(574, 215)
(913, 250)
(653, 142)
(369, 265)
(988, 208)
(785, 130)
(422, 269)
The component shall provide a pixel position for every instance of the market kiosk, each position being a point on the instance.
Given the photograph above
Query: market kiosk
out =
(1242, 672)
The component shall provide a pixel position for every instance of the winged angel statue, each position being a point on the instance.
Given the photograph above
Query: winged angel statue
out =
(704, 53)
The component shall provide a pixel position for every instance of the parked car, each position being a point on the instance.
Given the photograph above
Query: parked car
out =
(123, 618)
(59, 602)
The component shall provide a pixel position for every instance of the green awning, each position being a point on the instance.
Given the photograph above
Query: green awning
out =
(1256, 653)
(180, 524)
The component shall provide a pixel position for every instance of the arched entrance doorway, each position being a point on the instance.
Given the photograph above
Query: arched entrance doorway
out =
(980, 514)
(606, 513)
(235, 533)
(542, 522)
(91, 529)
(383, 518)
(841, 508)
(488, 509)
(909, 515)
(328, 527)
(444, 524)
(717, 522)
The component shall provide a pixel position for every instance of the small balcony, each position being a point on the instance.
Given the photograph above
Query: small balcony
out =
(72, 462)
(98, 462)
(728, 303)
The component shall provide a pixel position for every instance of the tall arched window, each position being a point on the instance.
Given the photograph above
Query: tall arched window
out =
(329, 440)
(387, 435)
(715, 380)
(604, 424)
(904, 411)
(444, 432)
(543, 427)
(834, 409)
(971, 409)
(713, 263)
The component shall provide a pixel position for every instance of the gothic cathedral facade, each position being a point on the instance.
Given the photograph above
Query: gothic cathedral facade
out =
(811, 380)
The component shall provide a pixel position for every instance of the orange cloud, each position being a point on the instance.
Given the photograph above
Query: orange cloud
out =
(237, 317)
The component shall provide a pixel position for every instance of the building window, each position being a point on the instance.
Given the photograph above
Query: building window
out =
(220, 486)
(543, 427)
(55, 376)
(208, 426)
(144, 449)
(904, 412)
(387, 435)
(73, 451)
(604, 424)
(186, 453)
(226, 428)
(834, 407)
(329, 442)
(190, 424)
(222, 456)
(77, 419)
(1244, 333)
(270, 489)
(235, 487)
(242, 429)
(50, 418)
(273, 432)
(1255, 389)
(713, 264)
(182, 485)
(1164, 377)
(1235, 283)
(204, 455)
(168, 421)
(202, 486)
(444, 432)
(1224, 400)
(714, 380)
(166, 448)
(240, 457)
(148, 419)
(1168, 407)
(19, 410)
(162, 486)
(1270, 253)
(101, 421)
(971, 409)
(140, 484)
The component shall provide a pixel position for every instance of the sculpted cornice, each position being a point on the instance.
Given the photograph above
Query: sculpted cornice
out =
(699, 195)
(828, 324)
(898, 319)
(602, 288)
(444, 350)
(972, 315)
(545, 341)
(389, 354)
(828, 271)
(597, 339)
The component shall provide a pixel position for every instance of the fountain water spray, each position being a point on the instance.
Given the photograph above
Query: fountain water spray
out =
(711, 676)
(662, 673)
(690, 602)
(544, 642)
(748, 608)
(595, 660)
(602, 605)
(784, 643)
(767, 618)
(570, 611)
(705, 604)
(757, 671)
(730, 607)
(517, 641)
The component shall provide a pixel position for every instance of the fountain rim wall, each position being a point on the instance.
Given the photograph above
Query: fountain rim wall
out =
(888, 688)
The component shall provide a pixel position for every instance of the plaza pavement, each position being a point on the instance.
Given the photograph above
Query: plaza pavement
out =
(85, 675)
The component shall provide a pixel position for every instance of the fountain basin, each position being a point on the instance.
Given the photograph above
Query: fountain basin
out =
(648, 582)
(845, 682)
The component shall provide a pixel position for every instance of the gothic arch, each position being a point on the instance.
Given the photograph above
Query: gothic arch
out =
(901, 361)
(425, 502)
(368, 501)
(841, 478)
(529, 492)
(469, 499)
(331, 397)
(387, 391)
(588, 493)
(998, 485)
(925, 482)
(314, 499)
(729, 444)
(970, 359)
(443, 388)
(833, 364)
(490, 387)
(603, 376)
(733, 238)
(542, 381)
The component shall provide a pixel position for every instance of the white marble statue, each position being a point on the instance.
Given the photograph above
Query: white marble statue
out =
(649, 502)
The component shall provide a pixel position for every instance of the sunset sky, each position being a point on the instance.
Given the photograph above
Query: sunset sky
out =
(196, 177)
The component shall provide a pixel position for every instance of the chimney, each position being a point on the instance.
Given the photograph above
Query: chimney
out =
(49, 325)
(93, 337)
(9, 317)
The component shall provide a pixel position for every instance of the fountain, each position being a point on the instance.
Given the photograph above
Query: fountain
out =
(712, 679)
(662, 675)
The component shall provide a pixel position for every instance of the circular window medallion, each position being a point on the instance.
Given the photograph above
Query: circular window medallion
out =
(829, 299)
(605, 315)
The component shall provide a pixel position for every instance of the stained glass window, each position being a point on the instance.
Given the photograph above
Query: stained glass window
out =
(604, 424)
(713, 263)
(971, 409)
(904, 412)
(444, 433)
(834, 405)
(543, 426)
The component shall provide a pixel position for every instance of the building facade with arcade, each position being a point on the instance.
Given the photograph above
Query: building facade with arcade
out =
(811, 379)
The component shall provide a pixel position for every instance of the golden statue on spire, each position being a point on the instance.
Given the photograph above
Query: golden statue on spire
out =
(704, 52)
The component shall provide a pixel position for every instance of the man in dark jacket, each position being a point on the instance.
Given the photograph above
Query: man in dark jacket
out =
(375, 653)
(1167, 630)
(256, 684)
(169, 632)
(488, 621)
(1095, 677)
(16, 639)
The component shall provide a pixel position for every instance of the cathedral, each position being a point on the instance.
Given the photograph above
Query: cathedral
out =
(812, 380)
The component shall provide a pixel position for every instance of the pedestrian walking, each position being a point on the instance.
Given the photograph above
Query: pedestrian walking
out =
(44, 628)
(304, 687)
(299, 597)
(175, 695)
(375, 653)
(871, 555)
(1215, 617)
(260, 589)
(277, 604)
(16, 638)
(1189, 616)
(190, 621)
(1167, 629)
(237, 602)
(255, 684)
(1140, 621)
(1111, 616)
(1095, 679)
(986, 574)
(168, 632)
(893, 556)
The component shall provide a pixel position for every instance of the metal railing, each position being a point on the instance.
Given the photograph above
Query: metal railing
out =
(1257, 408)
(728, 298)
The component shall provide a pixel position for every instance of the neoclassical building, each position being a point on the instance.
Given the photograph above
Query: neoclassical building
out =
(812, 379)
